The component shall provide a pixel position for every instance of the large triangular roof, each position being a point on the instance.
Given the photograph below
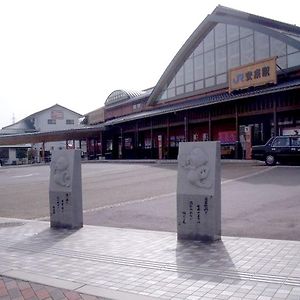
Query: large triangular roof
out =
(284, 32)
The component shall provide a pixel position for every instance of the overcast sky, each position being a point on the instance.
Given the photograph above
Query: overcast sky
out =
(75, 53)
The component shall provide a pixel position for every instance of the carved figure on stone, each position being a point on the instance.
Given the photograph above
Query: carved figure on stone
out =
(197, 164)
(61, 172)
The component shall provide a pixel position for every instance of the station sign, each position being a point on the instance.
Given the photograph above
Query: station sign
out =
(255, 74)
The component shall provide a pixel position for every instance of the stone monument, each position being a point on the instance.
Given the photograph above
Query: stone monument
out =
(199, 191)
(65, 190)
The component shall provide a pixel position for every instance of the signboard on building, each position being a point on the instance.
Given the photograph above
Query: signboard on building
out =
(57, 114)
(227, 136)
(255, 74)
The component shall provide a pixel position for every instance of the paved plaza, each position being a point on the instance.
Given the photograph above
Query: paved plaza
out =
(133, 264)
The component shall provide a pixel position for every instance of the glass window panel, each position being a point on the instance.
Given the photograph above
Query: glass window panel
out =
(179, 77)
(179, 90)
(282, 62)
(245, 32)
(247, 53)
(199, 49)
(291, 49)
(199, 85)
(282, 141)
(222, 78)
(233, 53)
(172, 83)
(189, 87)
(209, 41)
(278, 48)
(293, 59)
(171, 92)
(233, 33)
(221, 60)
(163, 96)
(210, 82)
(209, 63)
(220, 34)
(262, 46)
(51, 121)
(70, 122)
(189, 71)
(199, 68)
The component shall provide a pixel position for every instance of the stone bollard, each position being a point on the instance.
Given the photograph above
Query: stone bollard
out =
(65, 190)
(199, 191)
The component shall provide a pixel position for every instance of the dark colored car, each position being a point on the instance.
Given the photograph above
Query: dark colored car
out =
(282, 149)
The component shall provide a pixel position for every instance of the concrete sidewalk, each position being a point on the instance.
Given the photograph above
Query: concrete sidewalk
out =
(136, 264)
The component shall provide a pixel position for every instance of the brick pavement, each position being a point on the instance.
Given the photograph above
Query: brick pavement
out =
(13, 289)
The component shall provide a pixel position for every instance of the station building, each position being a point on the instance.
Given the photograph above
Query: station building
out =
(236, 79)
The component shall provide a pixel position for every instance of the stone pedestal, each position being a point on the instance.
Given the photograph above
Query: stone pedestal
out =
(199, 191)
(65, 190)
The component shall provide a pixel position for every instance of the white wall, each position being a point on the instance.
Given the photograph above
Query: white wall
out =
(60, 115)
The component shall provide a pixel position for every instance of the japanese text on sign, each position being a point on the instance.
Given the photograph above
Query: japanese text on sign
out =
(256, 74)
(195, 210)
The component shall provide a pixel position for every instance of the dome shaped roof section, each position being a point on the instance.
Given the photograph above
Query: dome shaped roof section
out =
(119, 96)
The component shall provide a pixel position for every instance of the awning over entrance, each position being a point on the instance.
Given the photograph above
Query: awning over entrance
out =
(52, 136)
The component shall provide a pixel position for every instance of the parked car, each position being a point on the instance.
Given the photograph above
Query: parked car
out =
(281, 149)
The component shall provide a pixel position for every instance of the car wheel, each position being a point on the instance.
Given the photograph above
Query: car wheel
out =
(270, 160)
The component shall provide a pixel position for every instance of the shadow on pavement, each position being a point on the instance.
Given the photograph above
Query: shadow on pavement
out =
(204, 261)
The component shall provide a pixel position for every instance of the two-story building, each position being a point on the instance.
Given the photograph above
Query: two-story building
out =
(51, 119)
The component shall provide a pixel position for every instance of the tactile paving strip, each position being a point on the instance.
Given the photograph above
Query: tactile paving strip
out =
(154, 263)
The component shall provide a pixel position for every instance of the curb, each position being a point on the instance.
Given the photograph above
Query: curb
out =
(140, 161)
